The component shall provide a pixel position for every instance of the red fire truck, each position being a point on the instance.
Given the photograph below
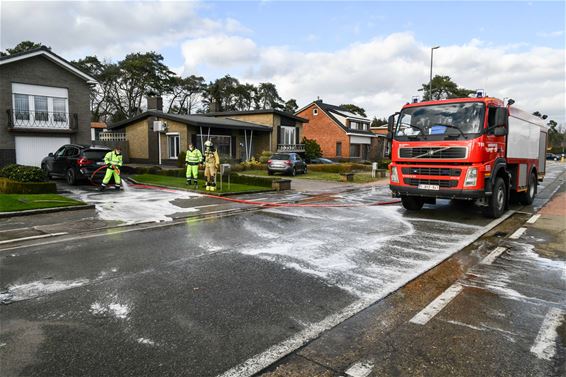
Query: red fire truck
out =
(466, 149)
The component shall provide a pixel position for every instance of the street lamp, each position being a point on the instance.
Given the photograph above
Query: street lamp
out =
(430, 85)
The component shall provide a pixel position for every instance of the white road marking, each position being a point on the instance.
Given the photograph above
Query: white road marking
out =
(206, 206)
(533, 219)
(491, 257)
(432, 309)
(518, 233)
(360, 369)
(33, 237)
(544, 346)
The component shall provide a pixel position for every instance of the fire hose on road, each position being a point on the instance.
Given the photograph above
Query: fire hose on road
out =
(91, 178)
(272, 204)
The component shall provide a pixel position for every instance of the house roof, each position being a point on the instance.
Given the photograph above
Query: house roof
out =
(47, 53)
(331, 110)
(264, 111)
(194, 120)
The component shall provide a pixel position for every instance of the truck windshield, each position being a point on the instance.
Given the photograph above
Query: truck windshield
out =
(441, 122)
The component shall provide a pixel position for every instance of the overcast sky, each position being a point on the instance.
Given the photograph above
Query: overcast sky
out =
(374, 54)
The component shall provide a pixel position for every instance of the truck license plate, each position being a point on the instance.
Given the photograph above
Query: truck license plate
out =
(429, 187)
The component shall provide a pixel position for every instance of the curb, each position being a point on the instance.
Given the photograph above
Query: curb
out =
(45, 210)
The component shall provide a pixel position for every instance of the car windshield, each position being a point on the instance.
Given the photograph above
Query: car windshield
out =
(439, 122)
(93, 154)
(281, 156)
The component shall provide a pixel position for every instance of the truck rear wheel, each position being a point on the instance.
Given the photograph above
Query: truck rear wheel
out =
(498, 200)
(528, 196)
(412, 203)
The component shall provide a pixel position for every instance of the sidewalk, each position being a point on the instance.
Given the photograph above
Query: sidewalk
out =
(504, 316)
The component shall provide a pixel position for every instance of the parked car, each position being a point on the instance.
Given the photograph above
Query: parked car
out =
(288, 163)
(75, 162)
(322, 161)
(552, 156)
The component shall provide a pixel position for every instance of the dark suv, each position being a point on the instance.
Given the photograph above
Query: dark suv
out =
(75, 162)
(289, 163)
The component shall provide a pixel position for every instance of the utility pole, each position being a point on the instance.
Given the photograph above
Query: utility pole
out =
(430, 82)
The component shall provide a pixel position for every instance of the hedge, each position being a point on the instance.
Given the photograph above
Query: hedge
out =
(8, 186)
(339, 168)
(22, 173)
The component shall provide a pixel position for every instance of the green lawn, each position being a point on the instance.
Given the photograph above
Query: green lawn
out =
(22, 202)
(179, 182)
(362, 177)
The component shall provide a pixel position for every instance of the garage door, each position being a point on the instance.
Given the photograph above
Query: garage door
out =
(30, 150)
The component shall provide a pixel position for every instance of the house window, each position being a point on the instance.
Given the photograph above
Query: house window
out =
(355, 150)
(222, 143)
(173, 141)
(338, 149)
(353, 125)
(41, 109)
(315, 111)
(59, 109)
(288, 135)
(21, 107)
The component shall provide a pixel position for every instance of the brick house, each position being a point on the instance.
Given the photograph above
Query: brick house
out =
(286, 128)
(341, 134)
(234, 139)
(44, 104)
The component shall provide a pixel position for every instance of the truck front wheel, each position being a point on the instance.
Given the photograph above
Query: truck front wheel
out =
(528, 196)
(412, 203)
(497, 201)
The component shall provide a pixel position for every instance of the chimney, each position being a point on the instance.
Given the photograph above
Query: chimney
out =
(155, 103)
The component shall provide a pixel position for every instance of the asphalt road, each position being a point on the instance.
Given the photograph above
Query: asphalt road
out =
(198, 298)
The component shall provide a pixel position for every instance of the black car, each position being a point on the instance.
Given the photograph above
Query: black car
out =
(552, 157)
(288, 163)
(321, 160)
(75, 162)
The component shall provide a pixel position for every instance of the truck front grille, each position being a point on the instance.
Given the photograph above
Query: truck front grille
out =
(448, 172)
(433, 152)
(439, 182)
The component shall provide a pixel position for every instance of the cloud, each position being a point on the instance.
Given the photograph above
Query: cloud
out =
(219, 51)
(111, 29)
(551, 34)
(383, 73)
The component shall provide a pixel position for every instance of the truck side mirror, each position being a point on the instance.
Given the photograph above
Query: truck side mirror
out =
(501, 117)
(500, 131)
(391, 126)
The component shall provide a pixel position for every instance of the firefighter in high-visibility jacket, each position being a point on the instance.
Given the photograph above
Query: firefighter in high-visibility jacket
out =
(193, 160)
(113, 161)
(211, 165)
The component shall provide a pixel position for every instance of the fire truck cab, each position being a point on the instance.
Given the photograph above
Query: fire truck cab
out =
(466, 149)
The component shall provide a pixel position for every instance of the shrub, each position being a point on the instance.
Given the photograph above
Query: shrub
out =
(340, 168)
(312, 149)
(21, 173)
(8, 186)
(383, 164)
(265, 155)
(253, 181)
(252, 164)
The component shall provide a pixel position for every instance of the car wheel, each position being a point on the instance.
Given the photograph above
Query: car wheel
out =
(498, 200)
(71, 177)
(412, 203)
(528, 196)
(294, 172)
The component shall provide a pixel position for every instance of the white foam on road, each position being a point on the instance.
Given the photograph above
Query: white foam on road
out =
(19, 292)
(437, 305)
(114, 309)
(544, 346)
(491, 257)
(136, 205)
(360, 369)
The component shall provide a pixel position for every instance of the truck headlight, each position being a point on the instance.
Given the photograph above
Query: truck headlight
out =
(471, 177)
(394, 175)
